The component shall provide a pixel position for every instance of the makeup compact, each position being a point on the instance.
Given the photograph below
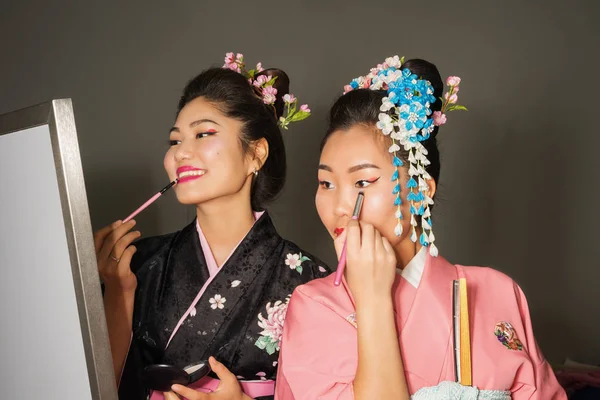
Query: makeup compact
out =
(161, 377)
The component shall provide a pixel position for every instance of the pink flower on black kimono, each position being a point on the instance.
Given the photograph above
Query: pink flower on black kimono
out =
(217, 302)
(272, 326)
(294, 261)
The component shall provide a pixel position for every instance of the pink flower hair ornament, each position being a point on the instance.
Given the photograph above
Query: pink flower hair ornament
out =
(263, 86)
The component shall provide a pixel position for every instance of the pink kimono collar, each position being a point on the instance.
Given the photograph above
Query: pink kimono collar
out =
(433, 297)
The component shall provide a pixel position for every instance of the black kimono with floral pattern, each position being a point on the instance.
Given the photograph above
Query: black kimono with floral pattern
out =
(237, 320)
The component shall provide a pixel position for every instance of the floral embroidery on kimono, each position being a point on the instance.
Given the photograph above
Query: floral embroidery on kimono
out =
(217, 302)
(272, 325)
(261, 375)
(294, 261)
(352, 319)
(506, 334)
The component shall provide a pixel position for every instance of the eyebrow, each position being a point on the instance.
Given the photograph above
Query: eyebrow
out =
(194, 124)
(351, 169)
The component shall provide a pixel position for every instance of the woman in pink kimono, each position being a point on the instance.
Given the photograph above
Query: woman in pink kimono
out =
(386, 332)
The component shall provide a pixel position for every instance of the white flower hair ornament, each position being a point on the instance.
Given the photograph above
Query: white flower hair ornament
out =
(407, 119)
(263, 85)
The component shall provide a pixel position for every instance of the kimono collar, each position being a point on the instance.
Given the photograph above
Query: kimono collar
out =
(214, 298)
(431, 311)
(413, 272)
(209, 257)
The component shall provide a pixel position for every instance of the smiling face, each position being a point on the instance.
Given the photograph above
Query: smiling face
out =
(207, 156)
(356, 160)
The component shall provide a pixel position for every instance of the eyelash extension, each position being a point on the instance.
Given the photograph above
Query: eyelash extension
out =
(198, 136)
(323, 183)
(369, 181)
(207, 133)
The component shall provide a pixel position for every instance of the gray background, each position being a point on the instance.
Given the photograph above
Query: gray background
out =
(518, 189)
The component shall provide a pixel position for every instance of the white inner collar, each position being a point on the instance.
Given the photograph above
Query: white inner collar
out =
(413, 272)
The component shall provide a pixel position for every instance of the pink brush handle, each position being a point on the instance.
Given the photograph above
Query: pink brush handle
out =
(339, 272)
(146, 204)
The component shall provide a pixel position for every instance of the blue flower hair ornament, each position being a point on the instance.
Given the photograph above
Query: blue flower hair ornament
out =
(406, 117)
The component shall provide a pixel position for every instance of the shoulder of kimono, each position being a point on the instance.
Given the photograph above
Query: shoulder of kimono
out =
(496, 295)
(487, 276)
(323, 292)
(151, 247)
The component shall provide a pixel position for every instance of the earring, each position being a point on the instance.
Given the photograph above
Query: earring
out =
(255, 172)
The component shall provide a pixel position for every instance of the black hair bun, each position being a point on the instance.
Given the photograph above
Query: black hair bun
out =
(428, 71)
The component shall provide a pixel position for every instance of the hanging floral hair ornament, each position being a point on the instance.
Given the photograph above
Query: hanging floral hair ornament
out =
(407, 118)
(263, 86)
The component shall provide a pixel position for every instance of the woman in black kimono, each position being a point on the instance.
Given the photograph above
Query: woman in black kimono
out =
(220, 286)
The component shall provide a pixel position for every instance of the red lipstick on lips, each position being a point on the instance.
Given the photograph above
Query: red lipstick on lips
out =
(338, 231)
(187, 178)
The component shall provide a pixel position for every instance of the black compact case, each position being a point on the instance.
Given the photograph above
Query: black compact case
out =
(161, 376)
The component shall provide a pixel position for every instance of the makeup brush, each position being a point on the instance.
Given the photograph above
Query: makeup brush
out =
(151, 200)
(339, 272)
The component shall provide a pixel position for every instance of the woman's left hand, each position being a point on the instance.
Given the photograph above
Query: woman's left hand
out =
(229, 388)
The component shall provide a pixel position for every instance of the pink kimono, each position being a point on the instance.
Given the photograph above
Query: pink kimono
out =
(318, 357)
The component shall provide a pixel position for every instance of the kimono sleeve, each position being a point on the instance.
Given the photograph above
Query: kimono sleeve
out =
(535, 381)
(318, 356)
